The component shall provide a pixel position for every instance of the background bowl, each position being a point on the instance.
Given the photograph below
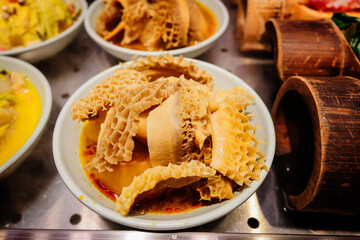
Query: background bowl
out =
(216, 6)
(43, 88)
(52, 46)
(66, 154)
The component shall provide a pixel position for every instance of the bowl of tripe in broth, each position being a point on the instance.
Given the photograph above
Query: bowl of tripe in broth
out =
(90, 144)
(204, 26)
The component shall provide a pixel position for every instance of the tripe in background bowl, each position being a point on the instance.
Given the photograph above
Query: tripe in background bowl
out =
(217, 8)
(39, 50)
(68, 147)
(20, 135)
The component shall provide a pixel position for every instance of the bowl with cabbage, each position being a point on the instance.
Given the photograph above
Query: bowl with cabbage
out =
(36, 30)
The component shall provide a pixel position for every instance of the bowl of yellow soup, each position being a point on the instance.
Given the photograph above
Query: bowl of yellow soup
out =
(124, 35)
(25, 106)
(75, 147)
(34, 31)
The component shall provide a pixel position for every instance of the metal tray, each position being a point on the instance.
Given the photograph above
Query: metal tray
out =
(35, 203)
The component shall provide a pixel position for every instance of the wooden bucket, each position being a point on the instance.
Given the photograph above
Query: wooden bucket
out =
(253, 14)
(317, 158)
(311, 48)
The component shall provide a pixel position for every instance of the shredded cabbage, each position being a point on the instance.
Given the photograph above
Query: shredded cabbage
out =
(28, 22)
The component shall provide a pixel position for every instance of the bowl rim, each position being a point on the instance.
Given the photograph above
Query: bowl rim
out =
(180, 51)
(45, 112)
(111, 214)
(73, 27)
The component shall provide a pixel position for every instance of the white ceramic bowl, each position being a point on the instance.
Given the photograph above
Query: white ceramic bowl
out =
(66, 154)
(43, 87)
(52, 46)
(216, 6)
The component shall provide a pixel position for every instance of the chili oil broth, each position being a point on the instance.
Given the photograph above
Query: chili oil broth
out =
(111, 183)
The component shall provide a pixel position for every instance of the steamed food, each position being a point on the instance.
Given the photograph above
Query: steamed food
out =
(28, 22)
(20, 110)
(157, 138)
(155, 25)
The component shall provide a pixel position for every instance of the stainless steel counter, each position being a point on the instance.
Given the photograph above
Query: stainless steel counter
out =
(35, 198)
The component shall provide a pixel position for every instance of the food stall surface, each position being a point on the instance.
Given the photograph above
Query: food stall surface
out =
(35, 203)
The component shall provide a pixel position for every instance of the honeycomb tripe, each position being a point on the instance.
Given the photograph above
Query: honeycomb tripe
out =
(128, 15)
(189, 134)
(155, 25)
(175, 18)
(235, 149)
(179, 126)
(166, 65)
(156, 178)
(217, 187)
(115, 142)
(104, 95)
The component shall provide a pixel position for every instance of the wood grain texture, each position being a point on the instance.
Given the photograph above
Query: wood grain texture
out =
(333, 104)
(311, 48)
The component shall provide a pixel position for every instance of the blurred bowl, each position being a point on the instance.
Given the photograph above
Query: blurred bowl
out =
(66, 155)
(42, 86)
(52, 46)
(217, 7)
